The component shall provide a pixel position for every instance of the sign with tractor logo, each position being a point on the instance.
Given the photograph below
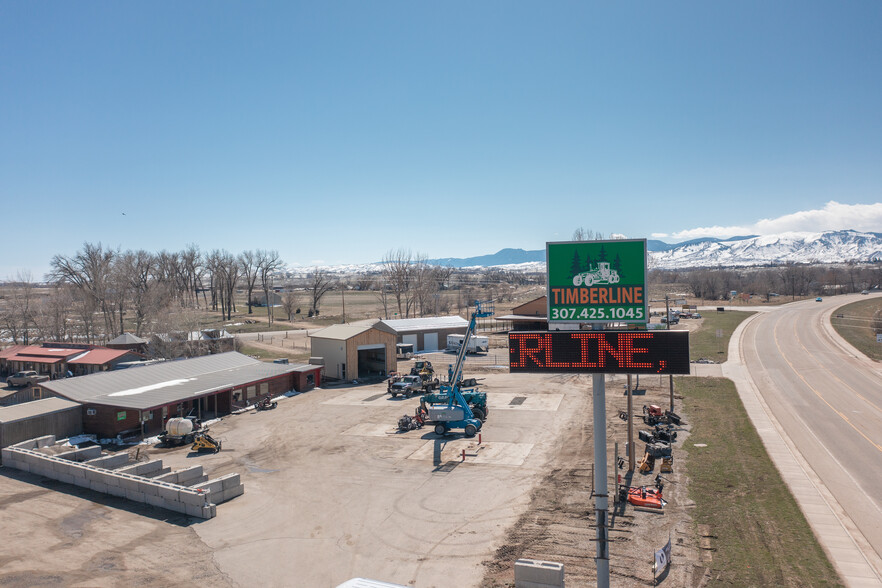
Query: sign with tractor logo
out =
(597, 281)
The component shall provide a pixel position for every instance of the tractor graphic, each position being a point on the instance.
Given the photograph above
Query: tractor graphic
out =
(601, 275)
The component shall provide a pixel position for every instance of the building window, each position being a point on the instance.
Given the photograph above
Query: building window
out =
(91, 412)
(264, 388)
(252, 392)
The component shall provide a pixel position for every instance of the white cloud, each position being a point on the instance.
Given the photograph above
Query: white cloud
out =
(833, 217)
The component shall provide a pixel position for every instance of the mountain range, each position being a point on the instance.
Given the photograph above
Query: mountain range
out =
(742, 251)
(826, 247)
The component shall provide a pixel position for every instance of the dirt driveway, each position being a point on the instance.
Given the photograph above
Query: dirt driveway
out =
(332, 491)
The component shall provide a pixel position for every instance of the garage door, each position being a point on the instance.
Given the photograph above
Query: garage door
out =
(412, 339)
(431, 341)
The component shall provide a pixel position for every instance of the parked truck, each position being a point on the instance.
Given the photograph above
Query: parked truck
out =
(477, 344)
(25, 378)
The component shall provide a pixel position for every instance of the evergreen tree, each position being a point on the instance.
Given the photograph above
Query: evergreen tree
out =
(576, 264)
(587, 262)
(602, 253)
(617, 265)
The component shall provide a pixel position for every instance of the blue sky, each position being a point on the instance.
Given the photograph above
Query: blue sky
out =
(334, 132)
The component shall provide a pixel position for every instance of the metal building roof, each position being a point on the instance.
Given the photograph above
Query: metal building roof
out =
(426, 323)
(341, 332)
(27, 410)
(153, 386)
(127, 339)
(100, 356)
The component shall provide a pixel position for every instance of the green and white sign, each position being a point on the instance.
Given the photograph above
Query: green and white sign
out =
(597, 281)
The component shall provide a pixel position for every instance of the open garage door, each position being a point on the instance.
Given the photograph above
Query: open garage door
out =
(371, 361)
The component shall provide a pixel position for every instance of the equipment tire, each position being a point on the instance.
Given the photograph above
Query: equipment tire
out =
(479, 414)
(440, 430)
(394, 395)
(471, 430)
(408, 394)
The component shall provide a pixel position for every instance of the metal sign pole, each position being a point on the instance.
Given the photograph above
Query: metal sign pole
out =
(631, 459)
(601, 484)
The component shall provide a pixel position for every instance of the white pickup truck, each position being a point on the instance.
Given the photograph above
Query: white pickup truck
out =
(26, 378)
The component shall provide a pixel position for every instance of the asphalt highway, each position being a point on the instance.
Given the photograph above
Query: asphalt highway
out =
(825, 399)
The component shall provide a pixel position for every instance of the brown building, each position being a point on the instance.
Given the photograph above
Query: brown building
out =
(57, 359)
(355, 351)
(139, 401)
(530, 316)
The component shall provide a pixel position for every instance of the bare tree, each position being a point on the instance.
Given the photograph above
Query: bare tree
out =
(290, 303)
(398, 275)
(582, 234)
(17, 318)
(250, 266)
(88, 271)
(320, 283)
(268, 263)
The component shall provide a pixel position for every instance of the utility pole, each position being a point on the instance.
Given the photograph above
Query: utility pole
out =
(631, 460)
(601, 483)
(343, 296)
(670, 376)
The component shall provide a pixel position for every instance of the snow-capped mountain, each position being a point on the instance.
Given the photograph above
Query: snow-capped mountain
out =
(826, 247)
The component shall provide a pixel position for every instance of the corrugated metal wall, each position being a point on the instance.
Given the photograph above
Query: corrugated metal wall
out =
(62, 424)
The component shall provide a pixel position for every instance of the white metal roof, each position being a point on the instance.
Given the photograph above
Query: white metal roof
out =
(426, 323)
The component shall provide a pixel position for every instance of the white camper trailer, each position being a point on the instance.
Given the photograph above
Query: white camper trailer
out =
(477, 344)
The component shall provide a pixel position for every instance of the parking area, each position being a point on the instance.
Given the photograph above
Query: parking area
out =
(332, 491)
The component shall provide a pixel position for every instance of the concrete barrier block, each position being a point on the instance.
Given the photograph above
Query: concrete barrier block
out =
(94, 475)
(159, 472)
(135, 496)
(532, 573)
(128, 482)
(231, 480)
(29, 444)
(111, 479)
(209, 511)
(65, 478)
(194, 498)
(230, 493)
(82, 482)
(98, 486)
(45, 441)
(6, 454)
(148, 488)
(211, 486)
(156, 500)
(77, 471)
(190, 473)
(116, 491)
(170, 493)
(110, 462)
(22, 466)
(194, 511)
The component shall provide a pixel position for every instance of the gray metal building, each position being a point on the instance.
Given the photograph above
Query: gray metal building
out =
(50, 416)
(428, 333)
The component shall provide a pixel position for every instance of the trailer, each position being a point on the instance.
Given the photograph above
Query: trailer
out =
(476, 344)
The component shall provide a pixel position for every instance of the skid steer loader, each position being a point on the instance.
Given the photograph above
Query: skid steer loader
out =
(205, 442)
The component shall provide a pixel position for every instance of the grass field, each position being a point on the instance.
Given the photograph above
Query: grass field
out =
(758, 533)
(858, 324)
(704, 343)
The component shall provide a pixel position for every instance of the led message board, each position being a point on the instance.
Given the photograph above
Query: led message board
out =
(599, 352)
(597, 281)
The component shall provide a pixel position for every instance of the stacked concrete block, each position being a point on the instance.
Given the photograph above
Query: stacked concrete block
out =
(110, 462)
(145, 482)
(84, 454)
(187, 477)
(533, 573)
(223, 488)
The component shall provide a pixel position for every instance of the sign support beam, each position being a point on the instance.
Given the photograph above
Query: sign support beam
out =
(601, 483)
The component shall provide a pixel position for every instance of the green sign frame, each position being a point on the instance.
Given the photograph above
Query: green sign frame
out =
(597, 281)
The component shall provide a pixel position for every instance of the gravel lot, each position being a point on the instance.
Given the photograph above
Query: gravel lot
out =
(332, 491)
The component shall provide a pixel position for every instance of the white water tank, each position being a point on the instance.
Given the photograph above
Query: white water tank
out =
(179, 427)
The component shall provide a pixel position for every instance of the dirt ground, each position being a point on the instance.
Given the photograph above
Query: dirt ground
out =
(332, 492)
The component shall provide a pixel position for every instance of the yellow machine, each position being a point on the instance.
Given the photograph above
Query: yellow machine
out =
(647, 464)
(205, 442)
(667, 465)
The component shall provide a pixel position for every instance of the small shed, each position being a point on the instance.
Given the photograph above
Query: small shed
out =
(428, 333)
(355, 351)
(129, 342)
(530, 316)
(307, 377)
(50, 416)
